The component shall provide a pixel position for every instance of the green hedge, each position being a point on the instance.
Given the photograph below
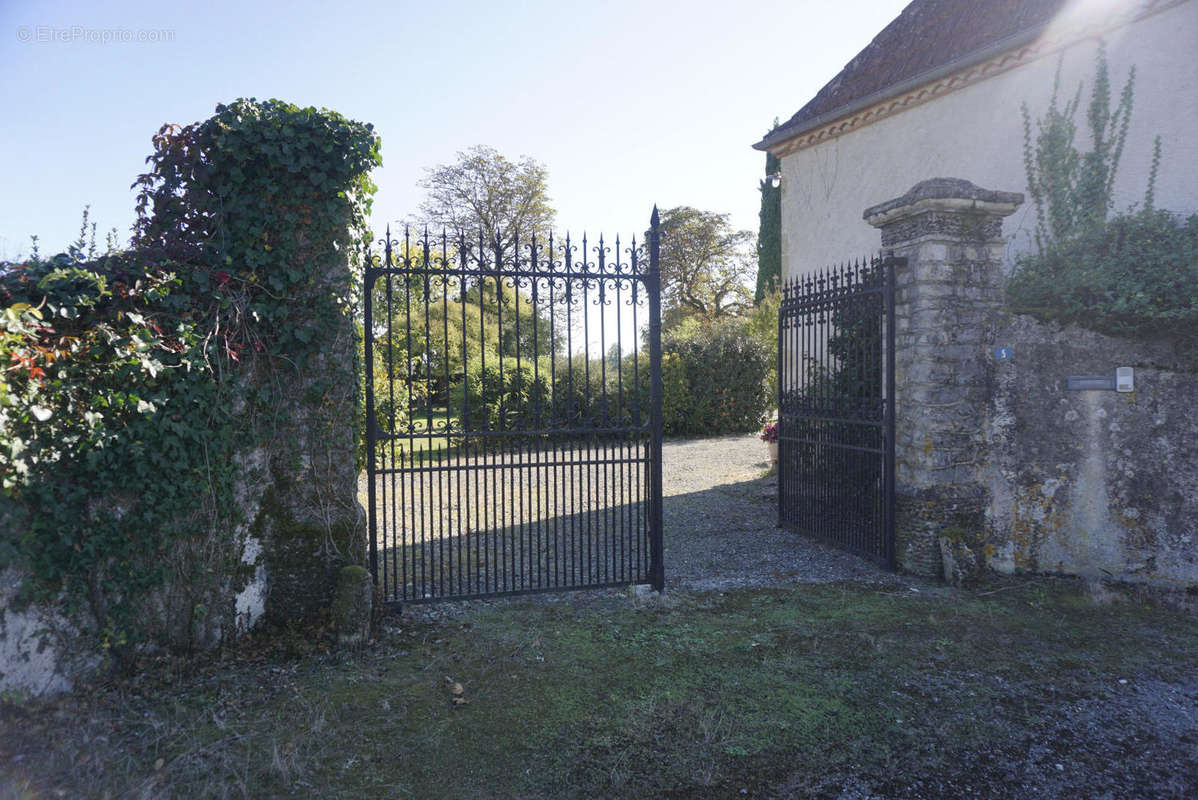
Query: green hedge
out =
(1136, 274)
(715, 379)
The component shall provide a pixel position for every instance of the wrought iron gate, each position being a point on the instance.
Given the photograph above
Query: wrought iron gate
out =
(836, 410)
(513, 415)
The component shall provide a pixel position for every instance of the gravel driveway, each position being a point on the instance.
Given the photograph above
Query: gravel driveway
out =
(719, 513)
(720, 510)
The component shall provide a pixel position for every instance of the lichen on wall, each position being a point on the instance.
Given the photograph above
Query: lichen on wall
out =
(1094, 483)
(38, 643)
(1033, 476)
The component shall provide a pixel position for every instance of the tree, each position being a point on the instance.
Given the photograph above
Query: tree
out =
(484, 191)
(705, 266)
(769, 232)
(440, 329)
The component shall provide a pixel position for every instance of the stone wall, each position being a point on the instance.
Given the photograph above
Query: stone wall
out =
(1093, 483)
(997, 463)
(296, 523)
(295, 520)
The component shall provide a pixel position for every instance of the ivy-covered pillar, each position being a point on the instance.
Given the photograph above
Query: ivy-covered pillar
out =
(310, 522)
(312, 196)
(180, 459)
(267, 203)
(950, 232)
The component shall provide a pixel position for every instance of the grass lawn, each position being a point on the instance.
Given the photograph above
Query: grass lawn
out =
(1008, 690)
(430, 449)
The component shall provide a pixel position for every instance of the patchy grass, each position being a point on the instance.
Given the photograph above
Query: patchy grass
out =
(1010, 690)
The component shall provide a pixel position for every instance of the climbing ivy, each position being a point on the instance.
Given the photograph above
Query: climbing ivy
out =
(228, 196)
(1131, 273)
(131, 379)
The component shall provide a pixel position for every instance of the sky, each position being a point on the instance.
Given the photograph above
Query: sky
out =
(627, 103)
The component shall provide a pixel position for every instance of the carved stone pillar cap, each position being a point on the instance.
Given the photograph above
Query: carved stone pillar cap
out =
(944, 194)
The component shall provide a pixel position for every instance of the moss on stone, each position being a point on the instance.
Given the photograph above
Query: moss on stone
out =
(302, 558)
(352, 605)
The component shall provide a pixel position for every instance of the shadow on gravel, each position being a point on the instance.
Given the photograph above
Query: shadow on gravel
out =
(717, 538)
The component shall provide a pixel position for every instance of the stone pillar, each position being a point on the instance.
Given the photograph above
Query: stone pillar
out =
(310, 517)
(950, 232)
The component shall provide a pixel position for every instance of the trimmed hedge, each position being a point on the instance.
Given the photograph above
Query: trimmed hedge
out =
(715, 378)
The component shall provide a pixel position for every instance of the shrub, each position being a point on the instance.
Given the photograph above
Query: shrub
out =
(516, 397)
(1137, 274)
(1133, 274)
(715, 379)
(725, 371)
(676, 406)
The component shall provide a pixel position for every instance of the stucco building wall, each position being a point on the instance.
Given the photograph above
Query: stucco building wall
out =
(976, 132)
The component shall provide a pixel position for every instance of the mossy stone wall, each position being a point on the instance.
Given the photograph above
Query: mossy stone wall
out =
(998, 463)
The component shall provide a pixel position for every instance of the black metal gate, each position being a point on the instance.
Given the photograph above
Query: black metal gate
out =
(836, 414)
(513, 415)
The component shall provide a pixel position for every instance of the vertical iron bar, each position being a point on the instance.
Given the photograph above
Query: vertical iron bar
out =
(587, 439)
(622, 440)
(396, 529)
(425, 496)
(535, 506)
(889, 265)
(520, 422)
(780, 381)
(368, 330)
(635, 560)
(410, 422)
(464, 421)
(600, 469)
(444, 458)
(572, 550)
(484, 413)
(653, 284)
(551, 561)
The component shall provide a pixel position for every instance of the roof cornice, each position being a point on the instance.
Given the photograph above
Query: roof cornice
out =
(986, 62)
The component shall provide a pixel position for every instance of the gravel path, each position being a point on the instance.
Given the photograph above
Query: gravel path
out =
(720, 511)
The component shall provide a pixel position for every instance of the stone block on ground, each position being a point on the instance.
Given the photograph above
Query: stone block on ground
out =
(962, 565)
(352, 605)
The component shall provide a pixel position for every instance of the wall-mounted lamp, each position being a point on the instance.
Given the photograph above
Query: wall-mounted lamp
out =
(775, 179)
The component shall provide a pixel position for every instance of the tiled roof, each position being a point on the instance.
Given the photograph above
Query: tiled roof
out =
(926, 36)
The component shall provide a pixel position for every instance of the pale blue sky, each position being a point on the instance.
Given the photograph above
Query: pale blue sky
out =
(627, 102)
